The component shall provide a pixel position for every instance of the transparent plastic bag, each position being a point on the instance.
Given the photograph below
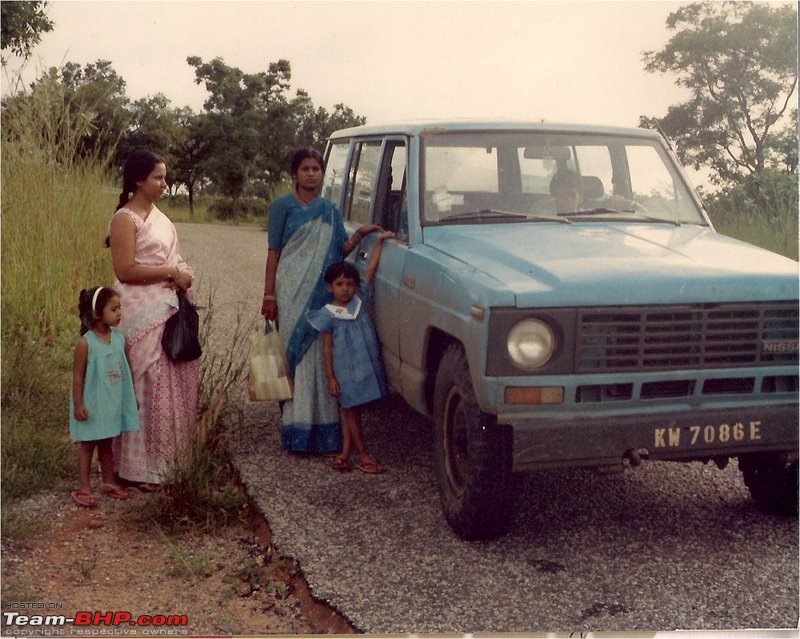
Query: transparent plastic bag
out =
(268, 379)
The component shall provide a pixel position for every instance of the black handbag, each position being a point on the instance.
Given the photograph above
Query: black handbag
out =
(181, 338)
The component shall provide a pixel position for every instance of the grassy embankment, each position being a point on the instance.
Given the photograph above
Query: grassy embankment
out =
(56, 208)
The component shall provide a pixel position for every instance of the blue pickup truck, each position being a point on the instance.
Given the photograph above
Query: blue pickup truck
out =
(556, 296)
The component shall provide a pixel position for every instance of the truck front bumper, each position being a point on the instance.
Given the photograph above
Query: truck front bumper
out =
(577, 441)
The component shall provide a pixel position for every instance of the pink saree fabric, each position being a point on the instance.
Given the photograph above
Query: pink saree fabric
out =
(165, 390)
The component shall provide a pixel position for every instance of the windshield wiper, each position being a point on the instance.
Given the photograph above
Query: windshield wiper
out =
(602, 211)
(657, 220)
(598, 211)
(497, 213)
(470, 215)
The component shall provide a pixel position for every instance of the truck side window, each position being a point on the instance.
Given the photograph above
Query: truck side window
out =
(390, 201)
(363, 180)
(334, 172)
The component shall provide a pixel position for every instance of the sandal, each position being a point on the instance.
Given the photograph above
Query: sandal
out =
(148, 488)
(340, 464)
(82, 498)
(370, 467)
(114, 491)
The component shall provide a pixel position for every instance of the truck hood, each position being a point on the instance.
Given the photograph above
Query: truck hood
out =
(602, 263)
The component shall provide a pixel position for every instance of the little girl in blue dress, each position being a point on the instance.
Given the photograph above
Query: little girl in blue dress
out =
(103, 403)
(352, 355)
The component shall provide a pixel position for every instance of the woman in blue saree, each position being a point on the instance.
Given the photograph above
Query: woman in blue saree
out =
(306, 234)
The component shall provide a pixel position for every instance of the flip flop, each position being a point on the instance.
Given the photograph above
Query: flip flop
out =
(82, 498)
(340, 464)
(113, 491)
(370, 467)
(148, 488)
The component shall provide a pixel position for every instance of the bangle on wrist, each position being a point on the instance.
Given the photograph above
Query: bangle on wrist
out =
(269, 297)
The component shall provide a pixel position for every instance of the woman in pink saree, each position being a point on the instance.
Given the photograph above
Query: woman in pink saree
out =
(150, 269)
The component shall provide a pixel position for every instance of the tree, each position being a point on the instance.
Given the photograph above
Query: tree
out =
(84, 109)
(244, 140)
(313, 126)
(22, 25)
(97, 93)
(237, 121)
(190, 154)
(157, 126)
(739, 61)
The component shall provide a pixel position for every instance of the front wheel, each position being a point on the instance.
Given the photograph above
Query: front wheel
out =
(472, 455)
(772, 481)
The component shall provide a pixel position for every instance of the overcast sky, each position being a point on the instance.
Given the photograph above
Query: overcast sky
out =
(555, 61)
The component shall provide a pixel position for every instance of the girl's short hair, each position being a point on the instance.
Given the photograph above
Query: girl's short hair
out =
(88, 305)
(305, 154)
(339, 269)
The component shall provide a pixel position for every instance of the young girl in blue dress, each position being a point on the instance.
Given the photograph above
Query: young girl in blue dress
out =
(103, 403)
(352, 356)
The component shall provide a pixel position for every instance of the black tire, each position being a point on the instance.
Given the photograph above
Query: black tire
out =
(772, 481)
(472, 455)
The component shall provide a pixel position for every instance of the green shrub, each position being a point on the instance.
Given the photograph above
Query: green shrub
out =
(177, 208)
(247, 208)
(179, 200)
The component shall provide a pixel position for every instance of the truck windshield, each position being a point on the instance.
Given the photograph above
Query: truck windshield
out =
(531, 176)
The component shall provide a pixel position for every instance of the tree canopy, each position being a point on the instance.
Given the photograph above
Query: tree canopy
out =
(239, 144)
(739, 62)
(22, 23)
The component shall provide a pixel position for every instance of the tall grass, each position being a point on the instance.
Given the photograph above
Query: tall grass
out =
(770, 222)
(55, 215)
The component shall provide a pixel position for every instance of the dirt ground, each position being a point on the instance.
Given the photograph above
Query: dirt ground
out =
(60, 559)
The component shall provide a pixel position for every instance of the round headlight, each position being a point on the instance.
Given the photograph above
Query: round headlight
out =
(530, 343)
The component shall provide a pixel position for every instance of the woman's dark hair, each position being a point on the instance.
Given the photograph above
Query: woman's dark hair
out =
(85, 310)
(305, 154)
(337, 269)
(137, 167)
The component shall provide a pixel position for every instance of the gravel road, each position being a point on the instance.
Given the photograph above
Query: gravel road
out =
(662, 547)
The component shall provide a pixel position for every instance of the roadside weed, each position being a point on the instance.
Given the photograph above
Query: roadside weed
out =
(201, 490)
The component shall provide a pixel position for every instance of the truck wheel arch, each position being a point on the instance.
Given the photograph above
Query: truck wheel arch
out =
(436, 345)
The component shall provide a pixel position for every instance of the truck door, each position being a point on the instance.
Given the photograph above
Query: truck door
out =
(376, 194)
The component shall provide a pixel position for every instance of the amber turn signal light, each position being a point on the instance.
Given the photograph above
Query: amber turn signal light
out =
(534, 395)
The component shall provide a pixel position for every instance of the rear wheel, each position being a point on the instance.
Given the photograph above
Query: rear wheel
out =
(772, 480)
(472, 455)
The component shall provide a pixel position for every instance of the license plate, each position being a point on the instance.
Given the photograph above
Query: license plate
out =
(700, 435)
